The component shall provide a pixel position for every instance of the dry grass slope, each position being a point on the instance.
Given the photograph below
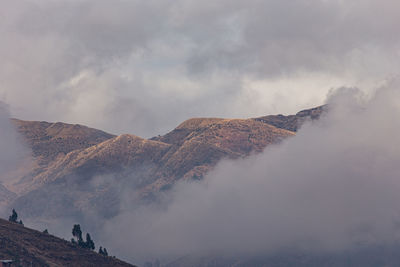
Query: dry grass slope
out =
(34, 248)
(67, 157)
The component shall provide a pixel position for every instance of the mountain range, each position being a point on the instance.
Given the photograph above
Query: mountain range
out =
(83, 169)
(72, 170)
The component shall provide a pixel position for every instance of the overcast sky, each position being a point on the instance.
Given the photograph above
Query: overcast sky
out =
(144, 66)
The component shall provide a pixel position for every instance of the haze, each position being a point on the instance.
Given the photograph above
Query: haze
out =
(333, 187)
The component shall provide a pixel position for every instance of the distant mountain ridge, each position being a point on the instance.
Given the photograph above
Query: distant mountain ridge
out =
(67, 158)
(47, 140)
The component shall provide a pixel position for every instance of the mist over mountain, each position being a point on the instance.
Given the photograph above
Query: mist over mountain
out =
(208, 133)
(12, 154)
(325, 191)
(331, 189)
(85, 170)
(91, 176)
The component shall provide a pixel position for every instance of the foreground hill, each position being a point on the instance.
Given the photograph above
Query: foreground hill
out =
(29, 247)
(82, 169)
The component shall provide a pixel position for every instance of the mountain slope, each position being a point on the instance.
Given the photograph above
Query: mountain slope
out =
(48, 140)
(86, 170)
(110, 156)
(33, 248)
(199, 144)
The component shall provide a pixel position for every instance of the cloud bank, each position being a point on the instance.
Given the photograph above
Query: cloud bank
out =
(12, 149)
(153, 64)
(13, 153)
(332, 187)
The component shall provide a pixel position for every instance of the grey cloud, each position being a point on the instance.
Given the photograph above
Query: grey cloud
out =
(332, 187)
(134, 50)
(12, 149)
(281, 37)
(13, 153)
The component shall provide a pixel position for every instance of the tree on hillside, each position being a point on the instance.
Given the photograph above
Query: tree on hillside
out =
(13, 217)
(89, 242)
(77, 233)
(103, 251)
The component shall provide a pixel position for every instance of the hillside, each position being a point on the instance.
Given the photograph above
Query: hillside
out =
(198, 145)
(49, 143)
(82, 169)
(48, 140)
(33, 248)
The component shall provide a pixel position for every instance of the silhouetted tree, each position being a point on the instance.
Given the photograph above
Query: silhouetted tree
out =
(13, 217)
(103, 251)
(45, 231)
(20, 222)
(77, 233)
(89, 242)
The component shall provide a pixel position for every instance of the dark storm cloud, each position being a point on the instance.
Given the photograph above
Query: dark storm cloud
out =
(156, 63)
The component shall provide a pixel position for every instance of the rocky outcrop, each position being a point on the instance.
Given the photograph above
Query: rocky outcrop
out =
(293, 122)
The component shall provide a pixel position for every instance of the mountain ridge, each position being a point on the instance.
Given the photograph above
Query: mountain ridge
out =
(67, 158)
(75, 170)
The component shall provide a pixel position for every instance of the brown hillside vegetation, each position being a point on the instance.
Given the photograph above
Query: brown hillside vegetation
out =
(76, 170)
(112, 155)
(47, 140)
(33, 248)
(66, 159)
(198, 145)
